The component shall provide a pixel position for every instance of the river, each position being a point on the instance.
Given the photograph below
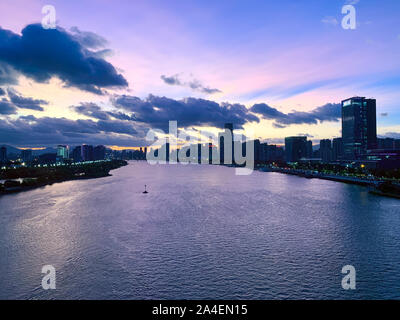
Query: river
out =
(200, 233)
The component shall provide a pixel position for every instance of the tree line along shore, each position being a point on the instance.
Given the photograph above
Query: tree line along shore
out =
(25, 178)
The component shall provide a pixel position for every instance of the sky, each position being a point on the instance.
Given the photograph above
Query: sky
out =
(111, 70)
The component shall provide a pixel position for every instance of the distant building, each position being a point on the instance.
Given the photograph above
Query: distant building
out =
(325, 148)
(263, 152)
(48, 158)
(62, 152)
(358, 126)
(386, 143)
(26, 155)
(257, 151)
(3, 154)
(228, 129)
(99, 152)
(295, 148)
(274, 153)
(167, 151)
(87, 152)
(77, 154)
(337, 149)
(309, 152)
(210, 152)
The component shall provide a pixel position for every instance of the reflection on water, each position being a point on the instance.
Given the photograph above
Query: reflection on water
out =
(201, 232)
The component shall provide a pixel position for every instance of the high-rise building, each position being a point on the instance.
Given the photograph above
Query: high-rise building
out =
(263, 152)
(325, 148)
(309, 152)
(228, 129)
(257, 150)
(3, 154)
(99, 152)
(87, 152)
(295, 148)
(358, 126)
(77, 154)
(167, 151)
(26, 155)
(62, 152)
(337, 149)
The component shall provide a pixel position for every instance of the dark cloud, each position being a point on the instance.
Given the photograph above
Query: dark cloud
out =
(94, 111)
(193, 84)
(305, 135)
(91, 110)
(158, 111)
(327, 112)
(24, 102)
(6, 107)
(2, 92)
(29, 130)
(8, 76)
(88, 39)
(172, 80)
(40, 54)
(196, 85)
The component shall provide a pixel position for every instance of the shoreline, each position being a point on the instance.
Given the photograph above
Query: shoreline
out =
(373, 184)
(87, 171)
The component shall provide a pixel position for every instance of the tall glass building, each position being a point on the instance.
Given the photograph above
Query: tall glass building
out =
(358, 127)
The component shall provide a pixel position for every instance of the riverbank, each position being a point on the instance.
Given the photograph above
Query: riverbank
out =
(333, 177)
(28, 178)
(375, 184)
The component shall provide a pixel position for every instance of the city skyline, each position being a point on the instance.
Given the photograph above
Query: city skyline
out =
(284, 86)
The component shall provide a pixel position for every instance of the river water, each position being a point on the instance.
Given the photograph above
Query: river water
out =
(200, 233)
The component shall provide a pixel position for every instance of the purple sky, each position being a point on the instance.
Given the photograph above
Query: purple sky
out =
(293, 56)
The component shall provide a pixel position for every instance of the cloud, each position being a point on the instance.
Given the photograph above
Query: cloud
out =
(327, 112)
(41, 54)
(193, 84)
(305, 135)
(94, 111)
(158, 111)
(6, 107)
(172, 80)
(8, 76)
(330, 21)
(91, 110)
(25, 103)
(32, 131)
(384, 114)
(2, 92)
(88, 39)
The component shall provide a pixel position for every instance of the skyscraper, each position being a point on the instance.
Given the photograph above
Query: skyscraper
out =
(99, 152)
(228, 129)
(325, 148)
(358, 126)
(295, 148)
(77, 154)
(337, 149)
(87, 152)
(62, 152)
(309, 149)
